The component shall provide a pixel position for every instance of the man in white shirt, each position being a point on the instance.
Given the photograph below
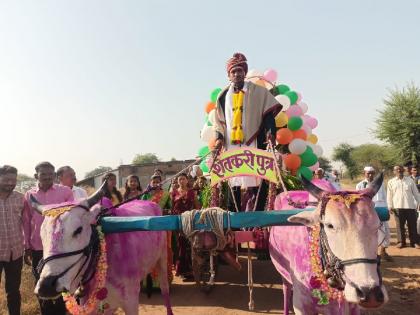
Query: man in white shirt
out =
(384, 234)
(67, 177)
(403, 200)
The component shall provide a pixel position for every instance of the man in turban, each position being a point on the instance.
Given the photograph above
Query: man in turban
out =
(244, 117)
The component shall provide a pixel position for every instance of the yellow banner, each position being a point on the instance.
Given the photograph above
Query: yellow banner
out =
(245, 161)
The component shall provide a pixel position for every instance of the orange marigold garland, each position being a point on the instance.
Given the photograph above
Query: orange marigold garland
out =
(99, 292)
(318, 282)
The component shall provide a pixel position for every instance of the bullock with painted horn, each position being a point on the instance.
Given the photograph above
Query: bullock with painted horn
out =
(331, 262)
(105, 271)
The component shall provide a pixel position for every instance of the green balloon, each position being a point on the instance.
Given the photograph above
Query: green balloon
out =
(304, 171)
(214, 94)
(292, 95)
(308, 158)
(204, 167)
(294, 123)
(203, 151)
(282, 89)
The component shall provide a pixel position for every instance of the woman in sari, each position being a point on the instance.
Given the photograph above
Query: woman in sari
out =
(183, 199)
(132, 187)
(110, 190)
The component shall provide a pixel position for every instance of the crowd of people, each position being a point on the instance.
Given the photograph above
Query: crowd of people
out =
(20, 224)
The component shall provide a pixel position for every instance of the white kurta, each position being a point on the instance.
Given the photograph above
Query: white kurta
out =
(242, 181)
(384, 233)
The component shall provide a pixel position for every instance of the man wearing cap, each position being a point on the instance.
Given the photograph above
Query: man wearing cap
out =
(384, 234)
(244, 117)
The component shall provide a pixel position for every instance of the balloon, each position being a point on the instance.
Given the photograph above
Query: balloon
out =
(305, 119)
(312, 122)
(203, 151)
(299, 134)
(282, 89)
(303, 171)
(270, 75)
(317, 150)
(292, 95)
(297, 146)
(207, 133)
(313, 138)
(254, 73)
(214, 94)
(294, 110)
(299, 97)
(281, 119)
(204, 166)
(284, 136)
(314, 167)
(292, 161)
(284, 101)
(294, 123)
(307, 129)
(212, 117)
(308, 158)
(304, 107)
(210, 106)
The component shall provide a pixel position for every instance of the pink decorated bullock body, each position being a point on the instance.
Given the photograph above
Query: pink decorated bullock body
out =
(347, 226)
(130, 256)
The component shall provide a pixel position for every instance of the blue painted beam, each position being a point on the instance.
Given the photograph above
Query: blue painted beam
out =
(237, 220)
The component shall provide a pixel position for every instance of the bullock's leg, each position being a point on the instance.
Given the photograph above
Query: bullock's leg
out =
(163, 276)
(302, 299)
(287, 295)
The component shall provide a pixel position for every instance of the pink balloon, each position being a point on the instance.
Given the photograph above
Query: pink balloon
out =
(294, 110)
(299, 97)
(304, 107)
(312, 122)
(270, 75)
(314, 167)
(305, 119)
(307, 129)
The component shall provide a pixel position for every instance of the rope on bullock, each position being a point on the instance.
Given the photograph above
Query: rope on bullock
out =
(212, 216)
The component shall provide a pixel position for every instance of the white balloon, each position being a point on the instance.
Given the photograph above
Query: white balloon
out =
(254, 73)
(297, 146)
(283, 100)
(207, 133)
(212, 116)
(304, 107)
(317, 150)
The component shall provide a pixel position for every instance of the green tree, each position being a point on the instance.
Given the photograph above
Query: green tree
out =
(98, 170)
(342, 153)
(399, 122)
(145, 158)
(325, 164)
(381, 157)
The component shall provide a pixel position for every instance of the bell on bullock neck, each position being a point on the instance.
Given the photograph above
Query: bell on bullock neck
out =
(332, 282)
(327, 274)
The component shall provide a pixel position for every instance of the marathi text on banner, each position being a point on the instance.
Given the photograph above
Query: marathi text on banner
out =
(245, 161)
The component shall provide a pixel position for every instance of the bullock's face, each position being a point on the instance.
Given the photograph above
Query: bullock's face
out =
(352, 233)
(71, 231)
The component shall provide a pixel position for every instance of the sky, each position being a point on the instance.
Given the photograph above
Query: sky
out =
(90, 83)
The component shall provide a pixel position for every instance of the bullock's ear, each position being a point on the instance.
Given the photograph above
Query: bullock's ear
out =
(308, 218)
(93, 213)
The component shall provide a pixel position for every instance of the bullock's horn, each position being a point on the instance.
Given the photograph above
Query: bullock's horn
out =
(312, 189)
(97, 195)
(375, 185)
(36, 205)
